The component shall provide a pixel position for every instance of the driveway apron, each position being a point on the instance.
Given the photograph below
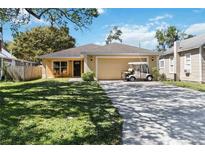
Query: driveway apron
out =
(154, 113)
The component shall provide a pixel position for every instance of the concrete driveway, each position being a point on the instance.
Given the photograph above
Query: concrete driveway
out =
(154, 113)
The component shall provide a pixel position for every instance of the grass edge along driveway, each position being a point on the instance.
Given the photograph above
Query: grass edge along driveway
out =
(185, 84)
(57, 112)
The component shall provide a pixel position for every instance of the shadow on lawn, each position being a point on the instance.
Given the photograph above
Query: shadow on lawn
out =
(24, 107)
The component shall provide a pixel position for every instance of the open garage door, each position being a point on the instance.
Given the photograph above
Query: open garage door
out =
(112, 68)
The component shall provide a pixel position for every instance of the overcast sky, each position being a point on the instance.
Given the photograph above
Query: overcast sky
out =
(137, 25)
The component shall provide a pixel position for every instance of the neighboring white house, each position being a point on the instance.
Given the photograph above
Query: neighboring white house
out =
(7, 59)
(185, 61)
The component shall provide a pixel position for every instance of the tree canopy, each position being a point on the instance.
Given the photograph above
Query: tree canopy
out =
(57, 17)
(40, 40)
(167, 37)
(114, 34)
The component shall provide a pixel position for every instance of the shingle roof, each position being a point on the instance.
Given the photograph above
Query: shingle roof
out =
(168, 51)
(192, 43)
(6, 54)
(120, 49)
(188, 44)
(71, 52)
(92, 49)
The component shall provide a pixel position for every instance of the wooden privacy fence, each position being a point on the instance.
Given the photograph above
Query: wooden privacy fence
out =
(24, 73)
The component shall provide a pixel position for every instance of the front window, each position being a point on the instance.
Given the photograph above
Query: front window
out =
(171, 65)
(59, 68)
(187, 63)
(161, 63)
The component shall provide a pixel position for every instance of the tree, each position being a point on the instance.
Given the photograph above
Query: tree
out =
(57, 17)
(40, 40)
(114, 34)
(160, 35)
(167, 37)
(172, 35)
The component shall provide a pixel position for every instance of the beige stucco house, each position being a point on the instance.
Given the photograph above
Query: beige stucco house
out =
(185, 61)
(107, 62)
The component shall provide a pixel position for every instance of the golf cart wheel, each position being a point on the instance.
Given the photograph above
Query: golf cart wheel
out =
(149, 78)
(132, 79)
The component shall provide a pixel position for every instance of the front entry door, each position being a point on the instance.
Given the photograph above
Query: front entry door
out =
(77, 68)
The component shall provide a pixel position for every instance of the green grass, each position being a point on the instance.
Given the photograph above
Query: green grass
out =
(191, 85)
(57, 112)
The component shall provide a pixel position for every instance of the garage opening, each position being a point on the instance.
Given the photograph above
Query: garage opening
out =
(111, 68)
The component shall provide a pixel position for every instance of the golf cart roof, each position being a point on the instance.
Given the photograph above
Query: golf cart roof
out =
(137, 63)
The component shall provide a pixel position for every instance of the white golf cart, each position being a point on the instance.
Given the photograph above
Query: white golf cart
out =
(137, 71)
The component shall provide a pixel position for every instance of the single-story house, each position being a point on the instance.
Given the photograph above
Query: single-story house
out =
(107, 62)
(185, 61)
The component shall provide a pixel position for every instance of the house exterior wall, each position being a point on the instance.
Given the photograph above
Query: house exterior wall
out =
(47, 71)
(203, 65)
(111, 67)
(165, 70)
(90, 63)
(195, 66)
(153, 61)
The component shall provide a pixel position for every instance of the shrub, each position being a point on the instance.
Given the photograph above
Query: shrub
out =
(88, 76)
(163, 77)
(155, 73)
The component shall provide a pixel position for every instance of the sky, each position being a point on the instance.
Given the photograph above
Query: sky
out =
(137, 25)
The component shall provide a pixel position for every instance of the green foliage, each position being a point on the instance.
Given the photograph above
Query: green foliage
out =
(167, 37)
(160, 35)
(155, 73)
(57, 112)
(114, 34)
(191, 85)
(57, 17)
(162, 77)
(88, 76)
(40, 40)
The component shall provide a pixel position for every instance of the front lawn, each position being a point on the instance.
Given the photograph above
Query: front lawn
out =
(57, 112)
(191, 85)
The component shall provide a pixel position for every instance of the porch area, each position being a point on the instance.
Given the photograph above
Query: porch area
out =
(54, 68)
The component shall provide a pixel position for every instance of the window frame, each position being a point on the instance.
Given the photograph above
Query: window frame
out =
(185, 61)
(171, 60)
(161, 60)
(60, 68)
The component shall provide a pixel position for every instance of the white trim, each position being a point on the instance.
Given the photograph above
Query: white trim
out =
(61, 58)
(200, 64)
(97, 57)
(170, 64)
(185, 61)
(160, 63)
(122, 57)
